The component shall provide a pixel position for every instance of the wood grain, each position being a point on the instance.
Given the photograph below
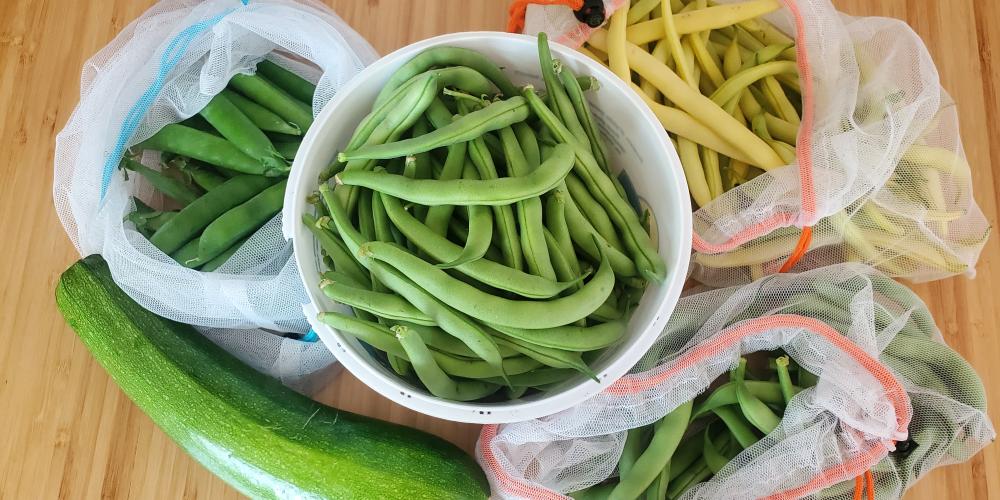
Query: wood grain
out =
(68, 432)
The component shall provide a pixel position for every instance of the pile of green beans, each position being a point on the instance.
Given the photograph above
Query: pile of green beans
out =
(694, 441)
(476, 231)
(224, 167)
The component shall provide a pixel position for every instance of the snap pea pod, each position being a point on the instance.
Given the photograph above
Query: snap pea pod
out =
(295, 85)
(491, 309)
(206, 209)
(571, 338)
(270, 96)
(447, 318)
(667, 433)
(493, 192)
(223, 257)
(241, 221)
(211, 149)
(262, 117)
(641, 248)
(148, 221)
(169, 186)
(384, 305)
(447, 56)
(204, 177)
(238, 129)
(487, 271)
(187, 255)
(287, 150)
(433, 377)
(495, 116)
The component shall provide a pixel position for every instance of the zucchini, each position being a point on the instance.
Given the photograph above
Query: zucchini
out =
(262, 438)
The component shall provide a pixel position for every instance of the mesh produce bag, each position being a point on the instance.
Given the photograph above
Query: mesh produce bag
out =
(162, 68)
(891, 397)
(880, 175)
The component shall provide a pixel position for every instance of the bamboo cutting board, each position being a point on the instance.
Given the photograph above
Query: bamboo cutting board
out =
(69, 432)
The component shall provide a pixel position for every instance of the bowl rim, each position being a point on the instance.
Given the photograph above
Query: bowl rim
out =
(402, 392)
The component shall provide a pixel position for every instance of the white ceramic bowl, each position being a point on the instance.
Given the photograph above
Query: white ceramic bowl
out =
(636, 143)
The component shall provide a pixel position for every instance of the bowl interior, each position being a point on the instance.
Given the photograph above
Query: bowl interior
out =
(636, 143)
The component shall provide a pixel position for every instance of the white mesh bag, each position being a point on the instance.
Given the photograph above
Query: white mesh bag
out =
(162, 68)
(885, 378)
(880, 175)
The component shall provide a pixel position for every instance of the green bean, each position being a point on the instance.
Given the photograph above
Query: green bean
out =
(596, 492)
(555, 221)
(784, 379)
(187, 255)
(447, 56)
(169, 186)
(667, 433)
(495, 116)
(147, 224)
(186, 141)
(293, 84)
(689, 452)
(584, 235)
(554, 358)
(479, 237)
(384, 305)
(344, 262)
(642, 250)
(560, 264)
(204, 177)
(714, 458)
(636, 441)
(238, 129)
(737, 425)
(399, 365)
(287, 150)
(557, 94)
(755, 411)
(541, 376)
(695, 474)
(496, 310)
(407, 110)
(571, 338)
(440, 340)
(487, 271)
(725, 394)
(241, 221)
(366, 215)
(448, 319)
(223, 257)
(267, 94)
(575, 93)
(438, 216)
(262, 117)
(529, 211)
(493, 192)
(608, 311)
(206, 209)
(593, 211)
(433, 377)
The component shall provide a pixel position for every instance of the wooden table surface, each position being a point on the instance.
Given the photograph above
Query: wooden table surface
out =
(67, 431)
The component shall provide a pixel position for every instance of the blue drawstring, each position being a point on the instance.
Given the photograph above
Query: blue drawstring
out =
(310, 336)
(176, 49)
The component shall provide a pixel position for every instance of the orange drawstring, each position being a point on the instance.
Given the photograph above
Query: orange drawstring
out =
(515, 19)
(800, 249)
(866, 484)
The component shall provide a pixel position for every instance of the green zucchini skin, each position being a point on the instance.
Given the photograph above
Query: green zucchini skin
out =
(262, 438)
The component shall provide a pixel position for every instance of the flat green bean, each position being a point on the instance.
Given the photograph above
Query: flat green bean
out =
(491, 309)
(584, 234)
(529, 211)
(384, 305)
(344, 261)
(448, 56)
(571, 338)
(493, 192)
(433, 377)
(495, 116)
(667, 433)
(593, 211)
